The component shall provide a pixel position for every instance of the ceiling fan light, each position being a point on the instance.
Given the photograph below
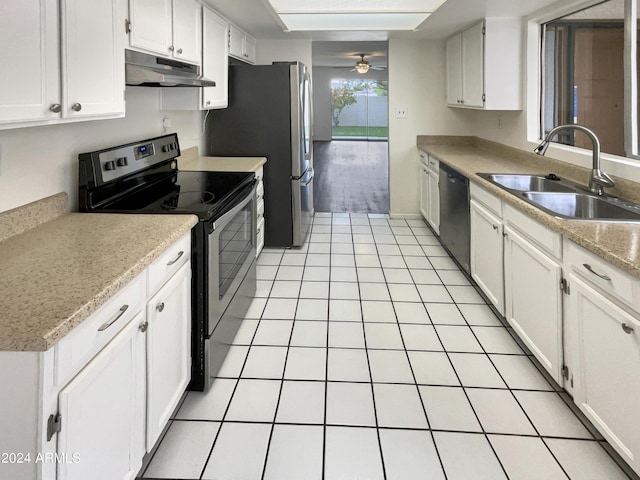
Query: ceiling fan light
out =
(362, 67)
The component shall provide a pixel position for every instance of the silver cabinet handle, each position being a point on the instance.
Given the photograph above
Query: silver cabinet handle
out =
(176, 259)
(160, 307)
(76, 107)
(171, 48)
(143, 327)
(590, 268)
(451, 178)
(495, 227)
(208, 102)
(179, 50)
(56, 108)
(106, 325)
(627, 328)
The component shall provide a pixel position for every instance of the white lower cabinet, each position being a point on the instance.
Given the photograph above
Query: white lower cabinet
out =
(92, 405)
(606, 370)
(487, 253)
(103, 412)
(534, 300)
(430, 190)
(168, 350)
(260, 221)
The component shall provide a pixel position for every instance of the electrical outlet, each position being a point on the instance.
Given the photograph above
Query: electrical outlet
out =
(402, 112)
(166, 124)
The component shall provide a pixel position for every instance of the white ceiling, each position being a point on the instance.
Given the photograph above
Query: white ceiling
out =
(258, 18)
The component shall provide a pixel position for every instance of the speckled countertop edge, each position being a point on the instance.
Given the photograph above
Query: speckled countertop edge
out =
(19, 220)
(57, 274)
(190, 159)
(616, 242)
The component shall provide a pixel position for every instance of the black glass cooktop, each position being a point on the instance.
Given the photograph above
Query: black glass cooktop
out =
(205, 194)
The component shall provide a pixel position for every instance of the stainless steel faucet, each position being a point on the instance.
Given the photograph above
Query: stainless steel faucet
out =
(597, 179)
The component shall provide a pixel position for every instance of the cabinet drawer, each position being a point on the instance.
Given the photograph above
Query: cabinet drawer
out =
(260, 236)
(76, 349)
(434, 165)
(486, 198)
(424, 158)
(260, 210)
(603, 274)
(541, 235)
(168, 263)
(259, 192)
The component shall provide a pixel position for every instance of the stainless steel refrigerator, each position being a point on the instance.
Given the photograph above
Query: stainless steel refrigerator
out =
(269, 115)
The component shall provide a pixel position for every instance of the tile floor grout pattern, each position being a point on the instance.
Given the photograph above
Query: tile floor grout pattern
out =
(368, 354)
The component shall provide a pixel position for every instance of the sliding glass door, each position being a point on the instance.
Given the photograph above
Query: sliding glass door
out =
(359, 109)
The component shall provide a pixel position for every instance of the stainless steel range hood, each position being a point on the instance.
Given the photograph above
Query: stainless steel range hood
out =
(145, 70)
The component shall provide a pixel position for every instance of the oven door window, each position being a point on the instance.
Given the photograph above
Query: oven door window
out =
(234, 246)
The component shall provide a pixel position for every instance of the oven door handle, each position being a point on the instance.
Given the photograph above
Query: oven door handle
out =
(224, 219)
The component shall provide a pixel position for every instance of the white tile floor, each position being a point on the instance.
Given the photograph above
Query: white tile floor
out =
(368, 355)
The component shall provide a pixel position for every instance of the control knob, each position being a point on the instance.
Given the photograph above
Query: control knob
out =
(122, 162)
(111, 165)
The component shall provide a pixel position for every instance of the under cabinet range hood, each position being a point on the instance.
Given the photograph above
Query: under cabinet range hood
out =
(143, 70)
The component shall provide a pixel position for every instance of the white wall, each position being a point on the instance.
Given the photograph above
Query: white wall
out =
(40, 161)
(417, 83)
(268, 51)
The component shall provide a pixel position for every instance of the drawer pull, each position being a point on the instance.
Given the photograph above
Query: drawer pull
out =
(603, 277)
(627, 328)
(495, 227)
(143, 327)
(160, 307)
(176, 259)
(106, 325)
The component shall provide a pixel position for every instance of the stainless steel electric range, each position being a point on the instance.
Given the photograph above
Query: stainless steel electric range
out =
(143, 177)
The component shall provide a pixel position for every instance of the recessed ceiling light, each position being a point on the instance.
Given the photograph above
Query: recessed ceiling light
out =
(353, 14)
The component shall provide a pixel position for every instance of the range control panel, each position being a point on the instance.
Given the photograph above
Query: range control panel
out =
(113, 163)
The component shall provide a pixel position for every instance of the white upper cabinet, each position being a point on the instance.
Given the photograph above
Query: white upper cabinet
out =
(92, 30)
(54, 46)
(215, 66)
(242, 45)
(150, 26)
(215, 59)
(169, 28)
(187, 31)
(484, 66)
(29, 33)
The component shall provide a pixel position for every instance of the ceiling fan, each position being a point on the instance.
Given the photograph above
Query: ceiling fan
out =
(362, 66)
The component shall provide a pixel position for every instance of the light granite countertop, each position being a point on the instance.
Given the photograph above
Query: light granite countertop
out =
(190, 159)
(59, 272)
(616, 242)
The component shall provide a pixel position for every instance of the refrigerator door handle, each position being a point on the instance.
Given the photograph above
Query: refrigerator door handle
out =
(310, 179)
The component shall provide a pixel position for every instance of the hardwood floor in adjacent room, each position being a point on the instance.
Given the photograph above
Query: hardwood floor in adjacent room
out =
(351, 176)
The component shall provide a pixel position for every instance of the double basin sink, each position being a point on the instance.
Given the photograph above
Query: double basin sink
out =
(565, 200)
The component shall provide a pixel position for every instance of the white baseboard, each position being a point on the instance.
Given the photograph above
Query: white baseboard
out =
(407, 216)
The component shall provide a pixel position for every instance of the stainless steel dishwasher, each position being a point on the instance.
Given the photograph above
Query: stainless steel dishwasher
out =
(454, 214)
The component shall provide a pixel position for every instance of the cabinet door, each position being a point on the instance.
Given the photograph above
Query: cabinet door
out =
(454, 70)
(473, 66)
(607, 368)
(236, 42)
(250, 49)
(533, 300)
(168, 350)
(29, 37)
(215, 59)
(102, 412)
(424, 191)
(93, 41)
(151, 29)
(434, 201)
(187, 31)
(487, 254)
